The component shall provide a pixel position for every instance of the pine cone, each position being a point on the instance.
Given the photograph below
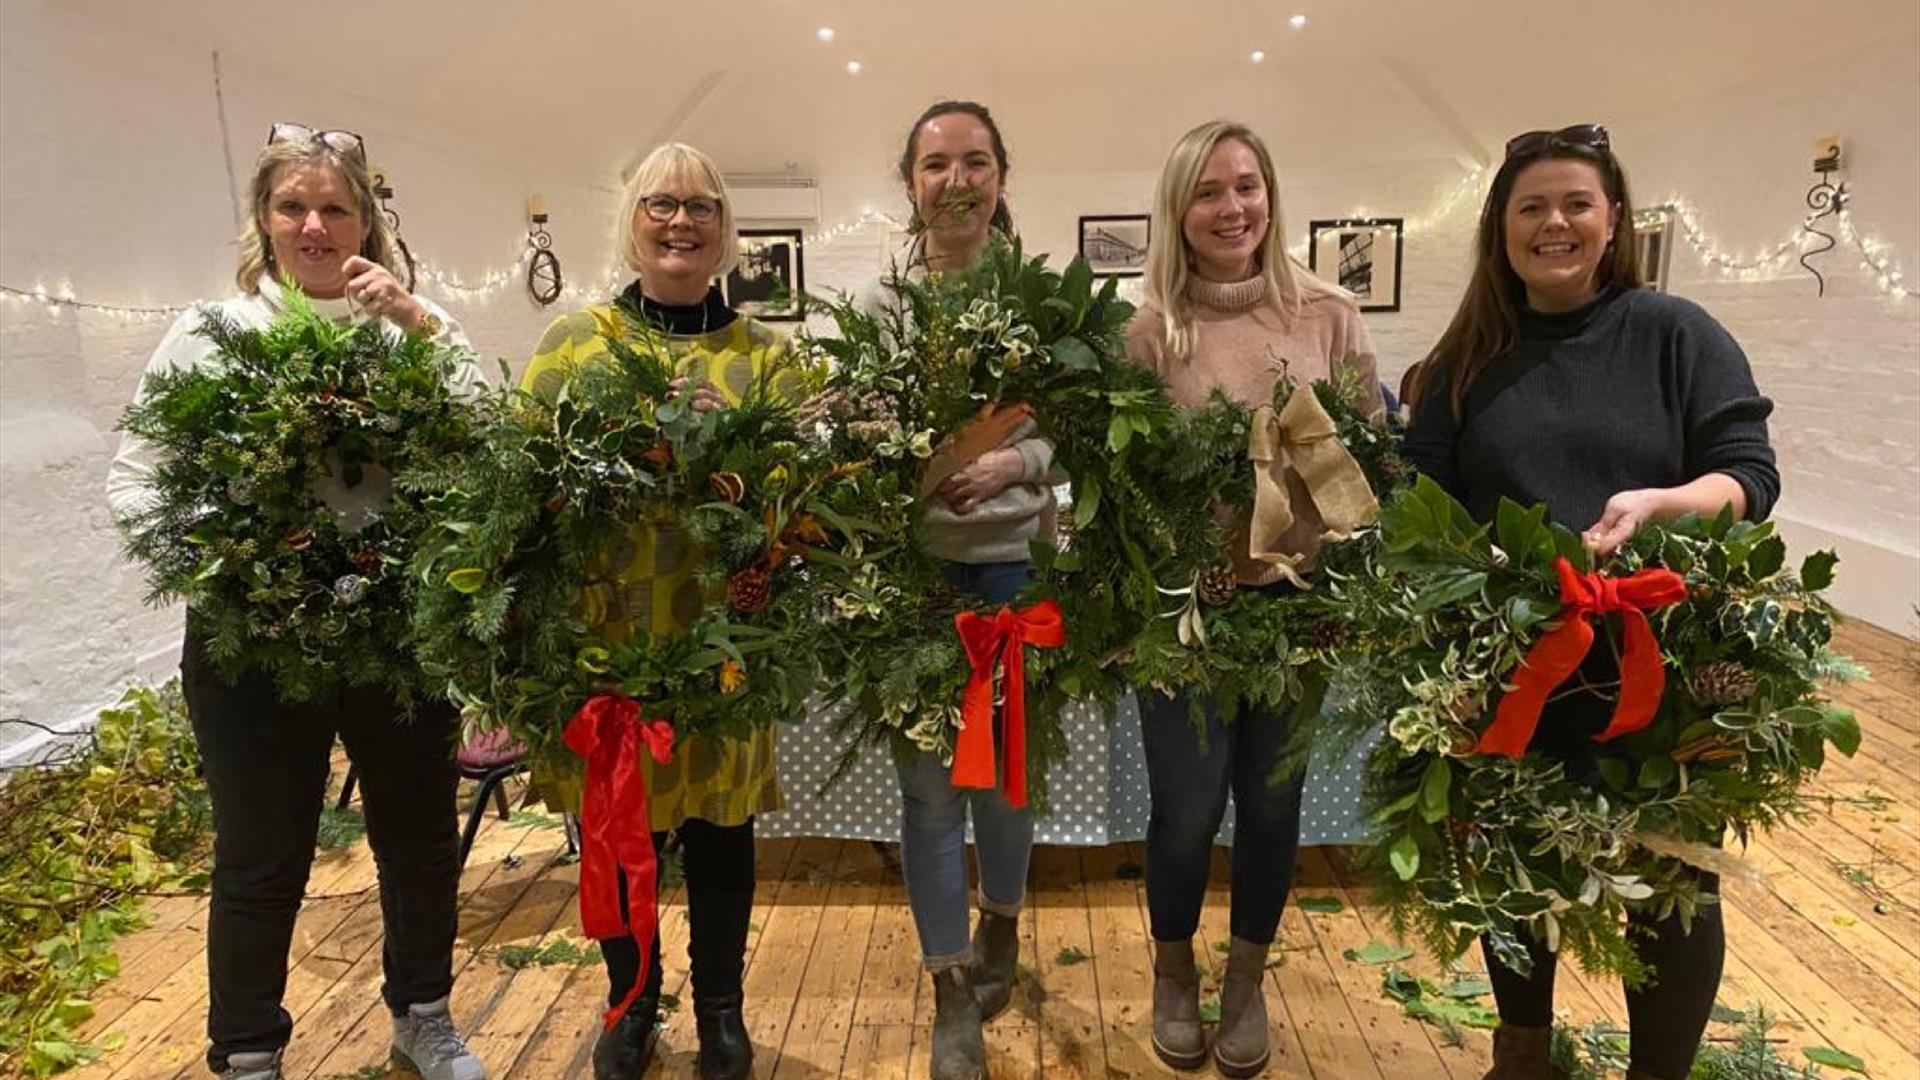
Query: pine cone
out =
(749, 590)
(1720, 683)
(1328, 634)
(1218, 586)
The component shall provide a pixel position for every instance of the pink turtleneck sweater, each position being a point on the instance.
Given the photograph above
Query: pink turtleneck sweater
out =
(1241, 342)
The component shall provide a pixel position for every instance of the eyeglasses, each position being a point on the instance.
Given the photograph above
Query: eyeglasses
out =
(700, 208)
(345, 142)
(1584, 136)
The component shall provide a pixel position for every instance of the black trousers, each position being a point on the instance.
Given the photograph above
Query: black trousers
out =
(1190, 771)
(717, 861)
(1668, 1015)
(266, 764)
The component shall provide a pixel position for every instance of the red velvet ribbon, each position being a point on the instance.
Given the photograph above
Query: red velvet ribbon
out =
(615, 834)
(1557, 655)
(990, 641)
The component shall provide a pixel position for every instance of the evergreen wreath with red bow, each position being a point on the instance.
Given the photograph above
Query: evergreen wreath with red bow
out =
(1463, 634)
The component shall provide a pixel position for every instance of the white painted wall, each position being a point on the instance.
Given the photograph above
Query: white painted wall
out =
(114, 183)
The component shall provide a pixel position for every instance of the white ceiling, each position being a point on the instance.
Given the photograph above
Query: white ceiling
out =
(1079, 84)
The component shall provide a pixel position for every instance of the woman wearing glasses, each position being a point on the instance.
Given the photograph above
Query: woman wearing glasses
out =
(678, 238)
(1561, 381)
(1226, 309)
(314, 225)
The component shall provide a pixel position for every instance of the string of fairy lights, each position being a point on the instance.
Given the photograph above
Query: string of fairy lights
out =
(1875, 258)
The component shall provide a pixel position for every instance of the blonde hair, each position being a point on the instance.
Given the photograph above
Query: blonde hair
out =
(1169, 263)
(256, 247)
(669, 164)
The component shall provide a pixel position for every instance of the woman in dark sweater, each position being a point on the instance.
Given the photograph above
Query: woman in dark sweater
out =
(1560, 381)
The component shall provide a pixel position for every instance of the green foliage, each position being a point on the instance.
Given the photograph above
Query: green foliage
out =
(1146, 478)
(560, 952)
(237, 526)
(1449, 1007)
(1480, 845)
(339, 828)
(1599, 1052)
(518, 572)
(86, 835)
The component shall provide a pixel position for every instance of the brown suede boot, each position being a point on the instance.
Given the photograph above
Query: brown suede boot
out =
(1177, 1035)
(1240, 1047)
(1523, 1053)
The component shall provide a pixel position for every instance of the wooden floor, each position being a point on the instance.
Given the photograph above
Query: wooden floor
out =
(1831, 943)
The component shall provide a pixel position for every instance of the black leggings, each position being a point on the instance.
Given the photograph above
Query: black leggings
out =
(1667, 1015)
(718, 864)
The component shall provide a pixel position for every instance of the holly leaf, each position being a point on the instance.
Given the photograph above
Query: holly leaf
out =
(1768, 557)
(1816, 570)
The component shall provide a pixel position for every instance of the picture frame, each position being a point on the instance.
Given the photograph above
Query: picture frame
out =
(1653, 237)
(1362, 256)
(770, 279)
(1115, 245)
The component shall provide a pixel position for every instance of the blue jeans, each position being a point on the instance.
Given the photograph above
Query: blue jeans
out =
(933, 827)
(1190, 770)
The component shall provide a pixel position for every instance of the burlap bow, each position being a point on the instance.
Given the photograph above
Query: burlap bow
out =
(1301, 437)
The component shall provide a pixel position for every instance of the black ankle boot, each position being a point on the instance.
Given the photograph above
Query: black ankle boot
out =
(996, 950)
(725, 1051)
(622, 1052)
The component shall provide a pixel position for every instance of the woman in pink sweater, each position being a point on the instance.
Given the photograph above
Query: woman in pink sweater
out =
(1226, 307)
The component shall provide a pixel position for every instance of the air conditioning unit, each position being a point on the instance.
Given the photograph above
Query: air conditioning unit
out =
(774, 197)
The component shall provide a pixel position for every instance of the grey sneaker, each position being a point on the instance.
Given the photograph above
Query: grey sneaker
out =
(252, 1065)
(426, 1045)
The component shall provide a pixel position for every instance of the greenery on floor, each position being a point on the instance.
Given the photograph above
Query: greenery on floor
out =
(1599, 1052)
(122, 815)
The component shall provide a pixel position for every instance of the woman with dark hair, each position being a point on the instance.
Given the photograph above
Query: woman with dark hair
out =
(314, 225)
(1560, 381)
(989, 498)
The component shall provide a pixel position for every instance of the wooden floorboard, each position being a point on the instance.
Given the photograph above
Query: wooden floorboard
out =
(1826, 935)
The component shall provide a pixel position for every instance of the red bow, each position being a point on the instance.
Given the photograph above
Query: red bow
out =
(615, 834)
(1558, 654)
(991, 639)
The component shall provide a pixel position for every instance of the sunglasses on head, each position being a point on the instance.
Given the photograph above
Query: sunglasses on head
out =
(1581, 136)
(345, 142)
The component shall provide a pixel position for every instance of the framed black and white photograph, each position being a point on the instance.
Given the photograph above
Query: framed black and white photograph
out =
(1653, 244)
(1361, 256)
(769, 281)
(1115, 244)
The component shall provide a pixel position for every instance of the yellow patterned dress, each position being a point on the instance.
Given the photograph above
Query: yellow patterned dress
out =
(647, 585)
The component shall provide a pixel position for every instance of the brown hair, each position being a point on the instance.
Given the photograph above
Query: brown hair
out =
(1487, 323)
(1002, 217)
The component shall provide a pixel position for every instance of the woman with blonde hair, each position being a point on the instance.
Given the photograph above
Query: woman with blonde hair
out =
(676, 233)
(315, 226)
(1227, 309)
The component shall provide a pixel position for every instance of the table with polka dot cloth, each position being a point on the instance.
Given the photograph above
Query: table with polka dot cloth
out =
(1097, 795)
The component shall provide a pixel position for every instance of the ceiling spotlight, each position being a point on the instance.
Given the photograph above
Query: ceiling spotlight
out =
(1258, 55)
(853, 67)
(1297, 21)
(825, 33)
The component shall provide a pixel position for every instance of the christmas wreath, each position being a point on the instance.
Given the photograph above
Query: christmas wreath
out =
(523, 520)
(1244, 646)
(917, 663)
(1459, 634)
(270, 512)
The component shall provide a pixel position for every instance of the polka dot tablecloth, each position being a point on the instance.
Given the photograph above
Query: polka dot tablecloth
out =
(1096, 795)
